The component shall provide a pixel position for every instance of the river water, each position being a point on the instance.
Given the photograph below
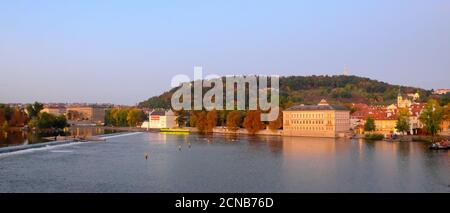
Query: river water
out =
(19, 137)
(195, 163)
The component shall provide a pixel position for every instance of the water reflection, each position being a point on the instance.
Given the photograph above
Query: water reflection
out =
(300, 164)
(19, 137)
(227, 163)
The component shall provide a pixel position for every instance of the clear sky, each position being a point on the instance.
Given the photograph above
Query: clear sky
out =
(126, 51)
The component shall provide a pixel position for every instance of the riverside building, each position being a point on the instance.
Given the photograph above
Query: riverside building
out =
(322, 120)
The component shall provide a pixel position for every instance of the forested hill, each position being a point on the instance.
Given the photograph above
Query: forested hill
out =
(311, 89)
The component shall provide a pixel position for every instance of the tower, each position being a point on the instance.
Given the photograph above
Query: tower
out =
(402, 102)
(345, 72)
(399, 97)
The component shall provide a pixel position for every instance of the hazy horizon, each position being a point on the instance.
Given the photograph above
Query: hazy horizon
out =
(125, 52)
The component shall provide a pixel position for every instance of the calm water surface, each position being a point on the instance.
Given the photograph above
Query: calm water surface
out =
(227, 164)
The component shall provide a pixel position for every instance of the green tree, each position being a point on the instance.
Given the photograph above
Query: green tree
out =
(122, 117)
(182, 118)
(369, 126)
(233, 122)
(60, 122)
(134, 117)
(402, 125)
(431, 117)
(33, 123)
(108, 117)
(45, 120)
(252, 122)
(34, 109)
(445, 99)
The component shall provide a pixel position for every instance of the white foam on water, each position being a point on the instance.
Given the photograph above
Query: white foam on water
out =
(45, 148)
(62, 151)
(121, 135)
(48, 147)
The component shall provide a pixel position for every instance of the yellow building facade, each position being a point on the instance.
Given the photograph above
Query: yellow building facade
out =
(322, 120)
(385, 126)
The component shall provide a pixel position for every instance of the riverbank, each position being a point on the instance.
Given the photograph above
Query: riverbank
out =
(241, 131)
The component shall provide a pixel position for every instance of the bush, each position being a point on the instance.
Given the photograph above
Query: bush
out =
(374, 136)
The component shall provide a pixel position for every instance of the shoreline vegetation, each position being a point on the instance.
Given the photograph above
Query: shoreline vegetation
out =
(30, 118)
(338, 90)
(294, 90)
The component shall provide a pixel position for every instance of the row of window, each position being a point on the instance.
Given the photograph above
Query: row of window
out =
(309, 115)
(310, 128)
(310, 122)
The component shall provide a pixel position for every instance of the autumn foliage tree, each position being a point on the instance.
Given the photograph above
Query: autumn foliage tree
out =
(252, 122)
(124, 117)
(211, 121)
(2, 116)
(403, 112)
(7, 111)
(203, 121)
(278, 123)
(135, 116)
(200, 121)
(446, 113)
(18, 117)
(233, 120)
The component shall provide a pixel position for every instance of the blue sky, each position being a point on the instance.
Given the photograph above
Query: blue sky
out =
(126, 51)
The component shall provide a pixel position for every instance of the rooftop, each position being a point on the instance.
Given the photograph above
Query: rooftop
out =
(323, 105)
(162, 113)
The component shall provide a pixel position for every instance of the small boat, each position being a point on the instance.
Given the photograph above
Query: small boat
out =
(444, 145)
(175, 130)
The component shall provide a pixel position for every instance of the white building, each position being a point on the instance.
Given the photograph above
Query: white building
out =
(161, 119)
